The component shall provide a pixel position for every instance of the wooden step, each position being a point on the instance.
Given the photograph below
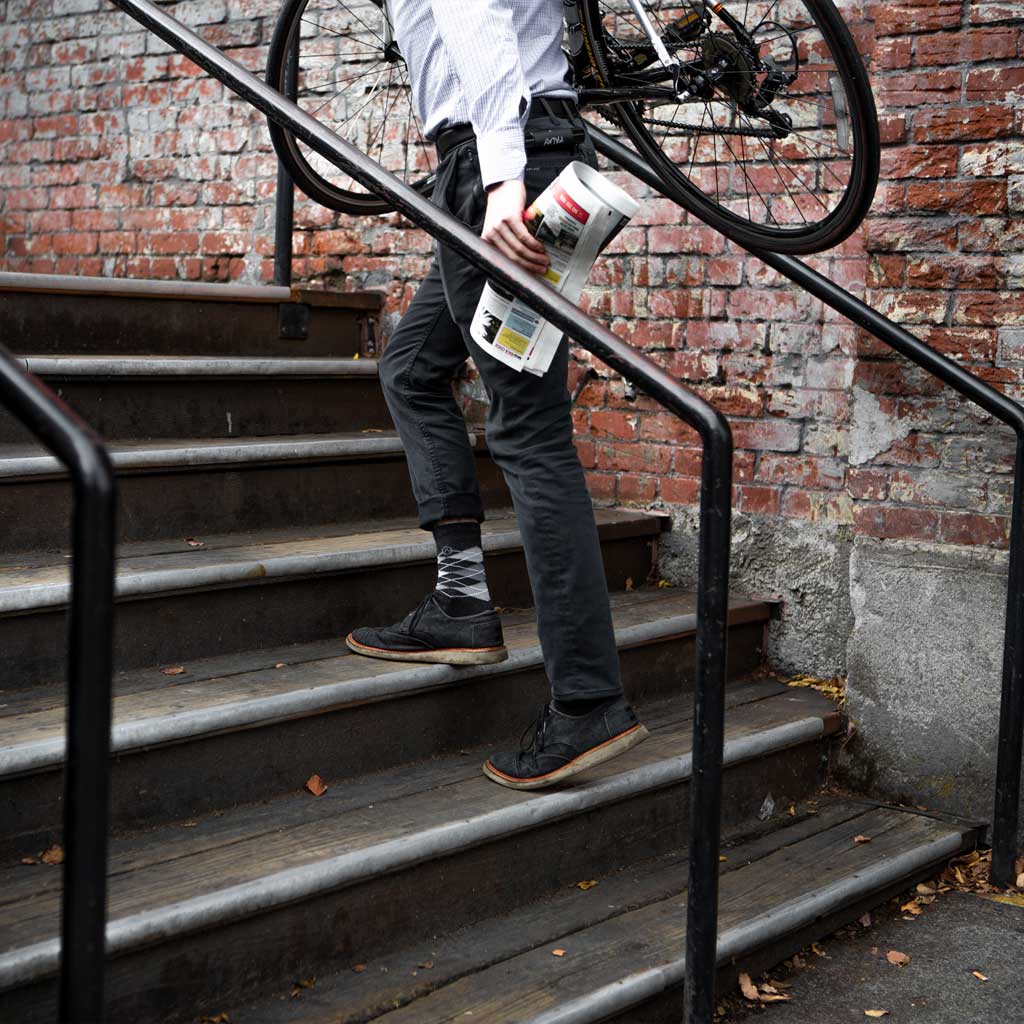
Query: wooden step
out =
(239, 592)
(44, 313)
(211, 912)
(137, 398)
(174, 489)
(624, 939)
(230, 730)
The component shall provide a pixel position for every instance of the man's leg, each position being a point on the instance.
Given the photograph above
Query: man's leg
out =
(530, 436)
(457, 623)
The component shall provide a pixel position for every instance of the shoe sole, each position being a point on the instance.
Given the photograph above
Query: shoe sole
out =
(441, 656)
(588, 759)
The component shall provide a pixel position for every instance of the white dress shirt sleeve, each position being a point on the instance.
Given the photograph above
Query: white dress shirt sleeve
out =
(482, 45)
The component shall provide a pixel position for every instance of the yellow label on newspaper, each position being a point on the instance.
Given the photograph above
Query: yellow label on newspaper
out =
(516, 342)
(553, 276)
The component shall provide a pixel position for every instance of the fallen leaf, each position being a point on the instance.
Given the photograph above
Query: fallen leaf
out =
(220, 1018)
(876, 1013)
(864, 920)
(1013, 901)
(894, 956)
(925, 889)
(664, 584)
(819, 950)
(316, 785)
(722, 858)
(799, 961)
(911, 908)
(629, 584)
(1020, 881)
(979, 975)
(193, 543)
(588, 884)
(189, 824)
(280, 664)
(29, 860)
(359, 968)
(176, 670)
(862, 839)
(792, 810)
(558, 952)
(748, 988)
(305, 983)
(426, 965)
(54, 855)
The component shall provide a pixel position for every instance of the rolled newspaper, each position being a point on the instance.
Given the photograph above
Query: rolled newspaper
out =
(575, 217)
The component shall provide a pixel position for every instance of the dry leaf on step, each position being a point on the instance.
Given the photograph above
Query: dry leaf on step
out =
(219, 1018)
(426, 965)
(913, 907)
(359, 968)
(979, 975)
(894, 956)
(862, 839)
(280, 664)
(29, 860)
(748, 988)
(629, 584)
(192, 542)
(876, 1013)
(316, 785)
(587, 884)
(926, 889)
(174, 670)
(558, 952)
(54, 855)
(864, 920)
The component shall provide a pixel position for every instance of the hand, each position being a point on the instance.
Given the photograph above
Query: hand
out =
(504, 228)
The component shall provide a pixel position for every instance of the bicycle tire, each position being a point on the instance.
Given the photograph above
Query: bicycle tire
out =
(856, 201)
(305, 177)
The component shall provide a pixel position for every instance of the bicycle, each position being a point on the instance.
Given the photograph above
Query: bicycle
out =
(758, 119)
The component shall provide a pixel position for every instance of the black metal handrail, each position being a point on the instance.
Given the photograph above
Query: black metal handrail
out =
(716, 461)
(90, 631)
(1005, 818)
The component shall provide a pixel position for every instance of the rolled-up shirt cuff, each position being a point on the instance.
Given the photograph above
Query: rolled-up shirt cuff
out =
(502, 155)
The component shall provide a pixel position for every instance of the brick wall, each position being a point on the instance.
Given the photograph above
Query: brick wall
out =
(119, 158)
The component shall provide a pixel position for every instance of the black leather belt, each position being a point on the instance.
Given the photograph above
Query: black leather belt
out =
(538, 136)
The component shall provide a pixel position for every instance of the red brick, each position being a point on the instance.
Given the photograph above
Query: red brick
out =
(633, 488)
(677, 490)
(956, 123)
(763, 500)
(607, 423)
(970, 528)
(896, 523)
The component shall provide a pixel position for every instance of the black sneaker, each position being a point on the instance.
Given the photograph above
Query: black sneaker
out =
(563, 746)
(429, 633)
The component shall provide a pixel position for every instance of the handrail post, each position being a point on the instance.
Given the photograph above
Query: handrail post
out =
(90, 642)
(1006, 810)
(708, 726)
(284, 197)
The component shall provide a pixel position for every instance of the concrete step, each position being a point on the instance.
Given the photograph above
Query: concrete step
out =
(624, 939)
(44, 313)
(138, 398)
(191, 488)
(231, 730)
(242, 591)
(204, 913)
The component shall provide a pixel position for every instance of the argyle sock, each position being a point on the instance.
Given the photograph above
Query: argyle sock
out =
(461, 578)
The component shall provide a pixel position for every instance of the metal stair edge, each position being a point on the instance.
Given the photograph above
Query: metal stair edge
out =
(202, 452)
(195, 366)
(30, 597)
(40, 960)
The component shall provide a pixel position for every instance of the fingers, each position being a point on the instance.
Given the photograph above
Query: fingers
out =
(512, 244)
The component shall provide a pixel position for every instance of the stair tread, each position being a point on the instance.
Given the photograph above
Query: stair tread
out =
(21, 461)
(68, 365)
(296, 845)
(217, 693)
(631, 926)
(32, 581)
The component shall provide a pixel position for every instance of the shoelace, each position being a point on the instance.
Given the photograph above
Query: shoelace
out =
(539, 727)
(410, 621)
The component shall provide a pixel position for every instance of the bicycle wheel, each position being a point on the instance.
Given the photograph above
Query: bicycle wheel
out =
(765, 126)
(352, 78)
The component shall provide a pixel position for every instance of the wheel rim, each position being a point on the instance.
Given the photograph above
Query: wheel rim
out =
(352, 79)
(723, 151)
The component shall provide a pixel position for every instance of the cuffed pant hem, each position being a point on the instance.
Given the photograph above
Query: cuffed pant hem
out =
(582, 693)
(450, 506)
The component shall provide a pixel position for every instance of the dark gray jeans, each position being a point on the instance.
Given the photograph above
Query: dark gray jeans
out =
(529, 435)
